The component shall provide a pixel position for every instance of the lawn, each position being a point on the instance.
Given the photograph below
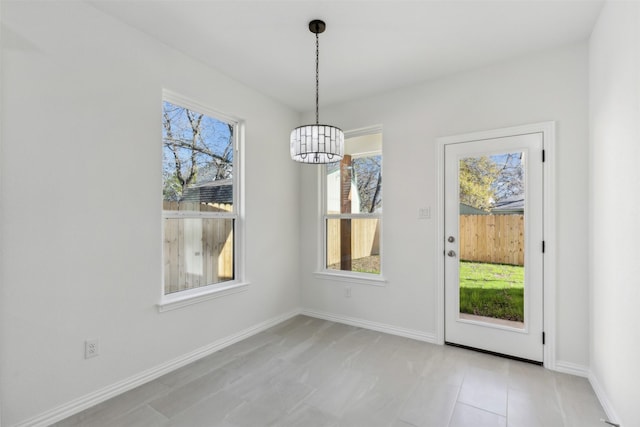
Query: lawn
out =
(492, 290)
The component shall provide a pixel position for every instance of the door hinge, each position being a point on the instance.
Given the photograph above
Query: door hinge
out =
(543, 338)
(543, 156)
(543, 246)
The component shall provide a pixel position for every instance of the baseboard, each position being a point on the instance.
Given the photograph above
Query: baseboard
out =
(571, 368)
(380, 327)
(80, 404)
(585, 372)
(604, 399)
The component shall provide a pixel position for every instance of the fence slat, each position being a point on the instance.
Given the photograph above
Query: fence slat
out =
(365, 239)
(197, 252)
(497, 239)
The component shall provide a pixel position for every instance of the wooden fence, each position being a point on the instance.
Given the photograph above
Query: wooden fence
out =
(365, 239)
(196, 206)
(497, 239)
(197, 251)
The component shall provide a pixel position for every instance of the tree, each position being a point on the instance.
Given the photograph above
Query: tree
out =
(510, 180)
(368, 171)
(476, 177)
(196, 149)
(487, 180)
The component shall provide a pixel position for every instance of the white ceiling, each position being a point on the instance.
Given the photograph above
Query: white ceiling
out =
(368, 47)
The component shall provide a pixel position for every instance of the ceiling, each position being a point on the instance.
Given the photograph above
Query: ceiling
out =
(369, 46)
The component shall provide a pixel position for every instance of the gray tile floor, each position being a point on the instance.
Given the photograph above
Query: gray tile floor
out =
(309, 372)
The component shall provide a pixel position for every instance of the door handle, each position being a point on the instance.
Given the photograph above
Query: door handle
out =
(451, 253)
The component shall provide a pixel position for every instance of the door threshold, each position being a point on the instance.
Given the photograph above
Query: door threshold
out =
(492, 320)
(493, 353)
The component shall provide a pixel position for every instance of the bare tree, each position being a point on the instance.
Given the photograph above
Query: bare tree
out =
(197, 149)
(510, 179)
(368, 172)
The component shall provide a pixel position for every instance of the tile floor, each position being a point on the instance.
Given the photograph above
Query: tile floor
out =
(310, 373)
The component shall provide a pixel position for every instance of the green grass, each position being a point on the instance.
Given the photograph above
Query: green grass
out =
(492, 290)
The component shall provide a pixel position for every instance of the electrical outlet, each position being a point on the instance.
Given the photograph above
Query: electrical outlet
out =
(91, 348)
(347, 291)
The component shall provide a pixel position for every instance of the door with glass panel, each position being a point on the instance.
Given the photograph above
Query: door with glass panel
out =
(494, 245)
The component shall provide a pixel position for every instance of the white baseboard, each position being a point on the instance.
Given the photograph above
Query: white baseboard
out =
(571, 368)
(585, 372)
(604, 399)
(380, 327)
(80, 404)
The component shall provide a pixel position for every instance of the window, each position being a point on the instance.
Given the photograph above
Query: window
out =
(353, 208)
(200, 197)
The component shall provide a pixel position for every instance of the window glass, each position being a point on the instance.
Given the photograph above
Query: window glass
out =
(197, 160)
(363, 237)
(198, 252)
(198, 205)
(353, 207)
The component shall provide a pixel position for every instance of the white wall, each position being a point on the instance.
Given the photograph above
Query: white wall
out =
(80, 199)
(535, 88)
(614, 102)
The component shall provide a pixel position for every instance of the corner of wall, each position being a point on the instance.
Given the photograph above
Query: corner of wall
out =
(603, 398)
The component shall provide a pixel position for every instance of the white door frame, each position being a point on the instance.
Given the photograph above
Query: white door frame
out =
(549, 223)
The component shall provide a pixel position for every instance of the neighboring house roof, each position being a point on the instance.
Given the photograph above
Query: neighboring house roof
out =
(513, 204)
(220, 191)
(470, 210)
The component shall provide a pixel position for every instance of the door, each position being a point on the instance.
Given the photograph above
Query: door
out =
(493, 263)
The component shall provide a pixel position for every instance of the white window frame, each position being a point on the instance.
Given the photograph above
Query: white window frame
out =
(340, 275)
(238, 284)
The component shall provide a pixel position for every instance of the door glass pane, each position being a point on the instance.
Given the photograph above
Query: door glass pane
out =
(491, 218)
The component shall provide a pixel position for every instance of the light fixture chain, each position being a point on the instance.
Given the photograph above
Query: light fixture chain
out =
(317, 77)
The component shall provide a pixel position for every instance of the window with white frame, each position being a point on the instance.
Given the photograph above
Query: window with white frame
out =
(353, 208)
(200, 196)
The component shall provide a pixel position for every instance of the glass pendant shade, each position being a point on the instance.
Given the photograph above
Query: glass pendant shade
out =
(317, 144)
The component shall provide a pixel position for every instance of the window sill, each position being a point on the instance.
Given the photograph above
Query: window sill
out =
(194, 296)
(364, 279)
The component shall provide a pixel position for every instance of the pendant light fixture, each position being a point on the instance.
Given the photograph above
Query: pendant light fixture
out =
(317, 143)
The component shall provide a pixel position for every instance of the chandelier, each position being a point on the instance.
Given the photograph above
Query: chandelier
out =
(317, 143)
